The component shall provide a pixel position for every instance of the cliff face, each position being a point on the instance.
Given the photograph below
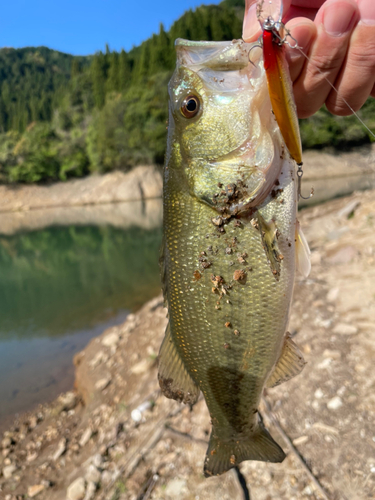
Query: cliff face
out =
(90, 443)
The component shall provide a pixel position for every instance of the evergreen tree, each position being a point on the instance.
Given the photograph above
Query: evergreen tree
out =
(75, 69)
(142, 64)
(113, 73)
(98, 75)
(124, 70)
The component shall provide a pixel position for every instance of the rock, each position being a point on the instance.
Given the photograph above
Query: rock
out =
(61, 448)
(103, 383)
(106, 477)
(68, 401)
(318, 393)
(6, 443)
(308, 490)
(33, 491)
(111, 340)
(325, 428)
(99, 357)
(33, 422)
(85, 437)
(300, 440)
(175, 488)
(329, 353)
(324, 364)
(32, 456)
(77, 490)
(97, 460)
(90, 491)
(344, 329)
(334, 403)
(141, 367)
(333, 294)
(8, 471)
(92, 474)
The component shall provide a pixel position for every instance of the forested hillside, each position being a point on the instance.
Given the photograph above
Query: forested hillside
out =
(63, 116)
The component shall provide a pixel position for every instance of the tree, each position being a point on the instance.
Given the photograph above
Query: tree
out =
(113, 84)
(98, 75)
(124, 70)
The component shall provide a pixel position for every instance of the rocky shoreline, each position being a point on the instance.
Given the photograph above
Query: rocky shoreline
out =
(114, 437)
(141, 183)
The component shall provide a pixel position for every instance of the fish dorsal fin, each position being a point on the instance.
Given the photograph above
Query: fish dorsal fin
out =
(174, 380)
(303, 253)
(290, 364)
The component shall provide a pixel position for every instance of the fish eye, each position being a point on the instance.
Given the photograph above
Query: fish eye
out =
(190, 106)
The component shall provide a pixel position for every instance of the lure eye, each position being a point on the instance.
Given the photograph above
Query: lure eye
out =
(190, 106)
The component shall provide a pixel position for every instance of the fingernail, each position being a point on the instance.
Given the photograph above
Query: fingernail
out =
(338, 19)
(251, 25)
(367, 12)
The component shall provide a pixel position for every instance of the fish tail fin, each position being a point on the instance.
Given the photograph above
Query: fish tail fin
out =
(224, 455)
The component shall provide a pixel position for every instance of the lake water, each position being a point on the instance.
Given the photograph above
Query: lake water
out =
(67, 274)
(61, 286)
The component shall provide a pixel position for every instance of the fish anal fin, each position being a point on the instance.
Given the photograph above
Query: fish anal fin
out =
(174, 380)
(303, 253)
(224, 455)
(290, 364)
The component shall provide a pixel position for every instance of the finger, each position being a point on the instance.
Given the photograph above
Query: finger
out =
(356, 79)
(335, 22)
(300, 12)
(372, 94)
(251, 27)
(304, 33)
(312, 4)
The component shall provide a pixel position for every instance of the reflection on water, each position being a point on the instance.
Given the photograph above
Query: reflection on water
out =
(60, 287)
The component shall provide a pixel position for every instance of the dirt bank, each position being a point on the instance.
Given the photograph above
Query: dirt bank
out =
(88, 444)
(144, 182)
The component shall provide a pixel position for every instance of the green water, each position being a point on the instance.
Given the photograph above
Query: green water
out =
(60, 287)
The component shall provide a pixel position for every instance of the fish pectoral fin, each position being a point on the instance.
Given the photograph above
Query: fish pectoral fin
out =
(269, 234)
(174, 380)
(224, 455)
(290, 364)
(303, 253)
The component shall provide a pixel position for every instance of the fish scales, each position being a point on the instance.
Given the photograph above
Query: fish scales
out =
(229, 248)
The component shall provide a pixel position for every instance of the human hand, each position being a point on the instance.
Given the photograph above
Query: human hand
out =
(339, 38)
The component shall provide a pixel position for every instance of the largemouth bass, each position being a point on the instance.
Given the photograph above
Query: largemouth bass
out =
(231, 246)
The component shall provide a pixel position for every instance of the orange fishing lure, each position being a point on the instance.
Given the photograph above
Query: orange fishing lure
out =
(280, 86)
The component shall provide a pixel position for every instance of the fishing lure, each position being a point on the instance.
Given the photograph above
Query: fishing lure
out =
(280, 86)
(274, 37)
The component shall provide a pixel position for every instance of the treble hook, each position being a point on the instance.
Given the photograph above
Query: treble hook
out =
(299, 191)
(255, 46)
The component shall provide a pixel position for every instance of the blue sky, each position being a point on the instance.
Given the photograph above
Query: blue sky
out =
(82, 27)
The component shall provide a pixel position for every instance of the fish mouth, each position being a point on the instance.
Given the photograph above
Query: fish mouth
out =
(220, 56)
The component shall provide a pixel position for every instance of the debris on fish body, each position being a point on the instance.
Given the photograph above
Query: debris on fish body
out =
(231, 244)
